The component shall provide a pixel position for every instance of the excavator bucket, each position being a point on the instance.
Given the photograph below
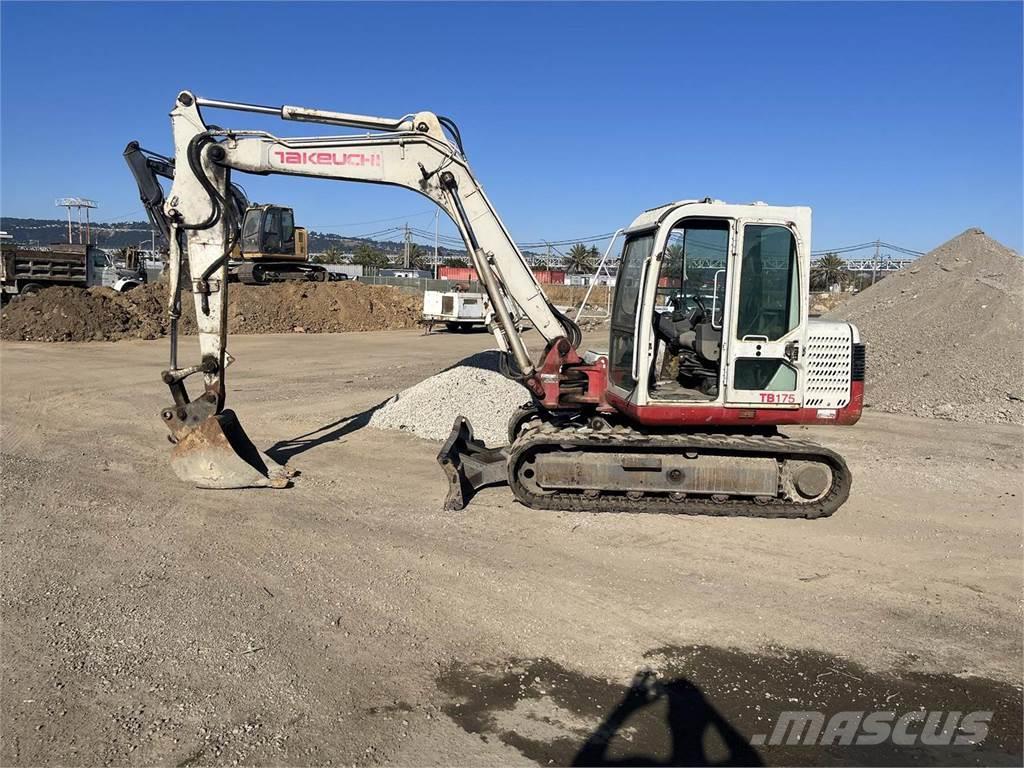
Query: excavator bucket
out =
(217, 453)
(469, 464)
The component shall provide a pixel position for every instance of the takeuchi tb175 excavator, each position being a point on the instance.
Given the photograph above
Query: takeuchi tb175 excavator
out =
(710, 348)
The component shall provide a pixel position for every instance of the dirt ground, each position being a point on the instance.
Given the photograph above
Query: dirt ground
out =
(349, 620)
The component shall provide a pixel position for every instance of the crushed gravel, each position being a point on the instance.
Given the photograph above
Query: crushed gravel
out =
(945, 336)
(473, 388)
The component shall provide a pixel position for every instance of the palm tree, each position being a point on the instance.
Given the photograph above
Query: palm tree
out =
(580, 260)
(420, 257)
(370, 257)
(673, 261)
(827, 271)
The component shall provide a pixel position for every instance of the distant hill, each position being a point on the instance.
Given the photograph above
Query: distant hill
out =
(120, 234)
(49, 231)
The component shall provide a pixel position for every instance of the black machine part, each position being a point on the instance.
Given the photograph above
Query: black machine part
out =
(148, 168)
(469, 465)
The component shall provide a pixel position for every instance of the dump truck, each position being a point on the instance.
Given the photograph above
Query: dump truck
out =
(26, 270)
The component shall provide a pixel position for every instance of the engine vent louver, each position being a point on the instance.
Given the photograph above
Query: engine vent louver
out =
(829, 368)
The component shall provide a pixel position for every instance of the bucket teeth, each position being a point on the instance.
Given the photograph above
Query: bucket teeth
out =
(217, 453)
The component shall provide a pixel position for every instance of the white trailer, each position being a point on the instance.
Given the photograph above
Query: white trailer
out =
(458, 311)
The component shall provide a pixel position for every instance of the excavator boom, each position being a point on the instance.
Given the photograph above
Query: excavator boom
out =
(414, 152)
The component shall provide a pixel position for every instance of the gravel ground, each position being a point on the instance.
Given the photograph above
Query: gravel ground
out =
(340, 621)
(472, 388)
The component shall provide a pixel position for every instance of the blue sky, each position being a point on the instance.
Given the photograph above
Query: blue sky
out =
(896, 121)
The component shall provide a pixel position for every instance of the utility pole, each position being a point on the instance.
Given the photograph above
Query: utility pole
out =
(408, 246)
(874, 264)
(436, 262)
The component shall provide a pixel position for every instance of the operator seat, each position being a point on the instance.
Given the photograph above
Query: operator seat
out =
(707, 342)
(683, 333)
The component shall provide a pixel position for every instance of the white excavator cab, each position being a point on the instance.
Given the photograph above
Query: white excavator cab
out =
(710, 307)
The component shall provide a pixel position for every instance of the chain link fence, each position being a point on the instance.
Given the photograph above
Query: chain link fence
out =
(417, 285)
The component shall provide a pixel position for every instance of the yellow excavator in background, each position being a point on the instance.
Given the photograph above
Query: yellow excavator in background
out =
(271, 248)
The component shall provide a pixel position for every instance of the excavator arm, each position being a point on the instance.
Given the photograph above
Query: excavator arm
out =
(415, 152)
(148, 168)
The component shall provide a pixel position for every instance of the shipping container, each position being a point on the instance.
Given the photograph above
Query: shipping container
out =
(468, 274)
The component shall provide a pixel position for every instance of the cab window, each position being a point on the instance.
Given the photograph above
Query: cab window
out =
(624, 310)
(272, 230)
(769, 300)
(251, 231)
(693, 268)
(287, 226)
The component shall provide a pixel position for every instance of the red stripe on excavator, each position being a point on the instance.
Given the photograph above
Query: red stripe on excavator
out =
(718, 415)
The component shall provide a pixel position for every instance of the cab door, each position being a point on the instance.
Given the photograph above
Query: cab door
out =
(768, 315)
(625, 359)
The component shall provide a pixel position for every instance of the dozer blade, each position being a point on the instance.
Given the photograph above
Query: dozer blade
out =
(469, 464)
(217, 453)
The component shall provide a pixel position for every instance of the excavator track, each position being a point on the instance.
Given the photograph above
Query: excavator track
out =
(265, 273)
(250, 274)
(581, 454)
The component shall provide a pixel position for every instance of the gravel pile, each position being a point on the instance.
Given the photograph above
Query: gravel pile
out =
(946, 336)
(473, 388)
(100, 314)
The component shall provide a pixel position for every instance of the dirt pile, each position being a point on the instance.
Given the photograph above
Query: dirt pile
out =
(473, 389)
(67, 314)
(100, 314)
(946, 336)
(823, 303)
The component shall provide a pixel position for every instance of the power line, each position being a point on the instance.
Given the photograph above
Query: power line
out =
(866, 246)
(566, 241)
(321, 227)
(372, 235)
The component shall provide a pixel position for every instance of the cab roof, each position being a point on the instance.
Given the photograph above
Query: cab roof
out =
(654, 216)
